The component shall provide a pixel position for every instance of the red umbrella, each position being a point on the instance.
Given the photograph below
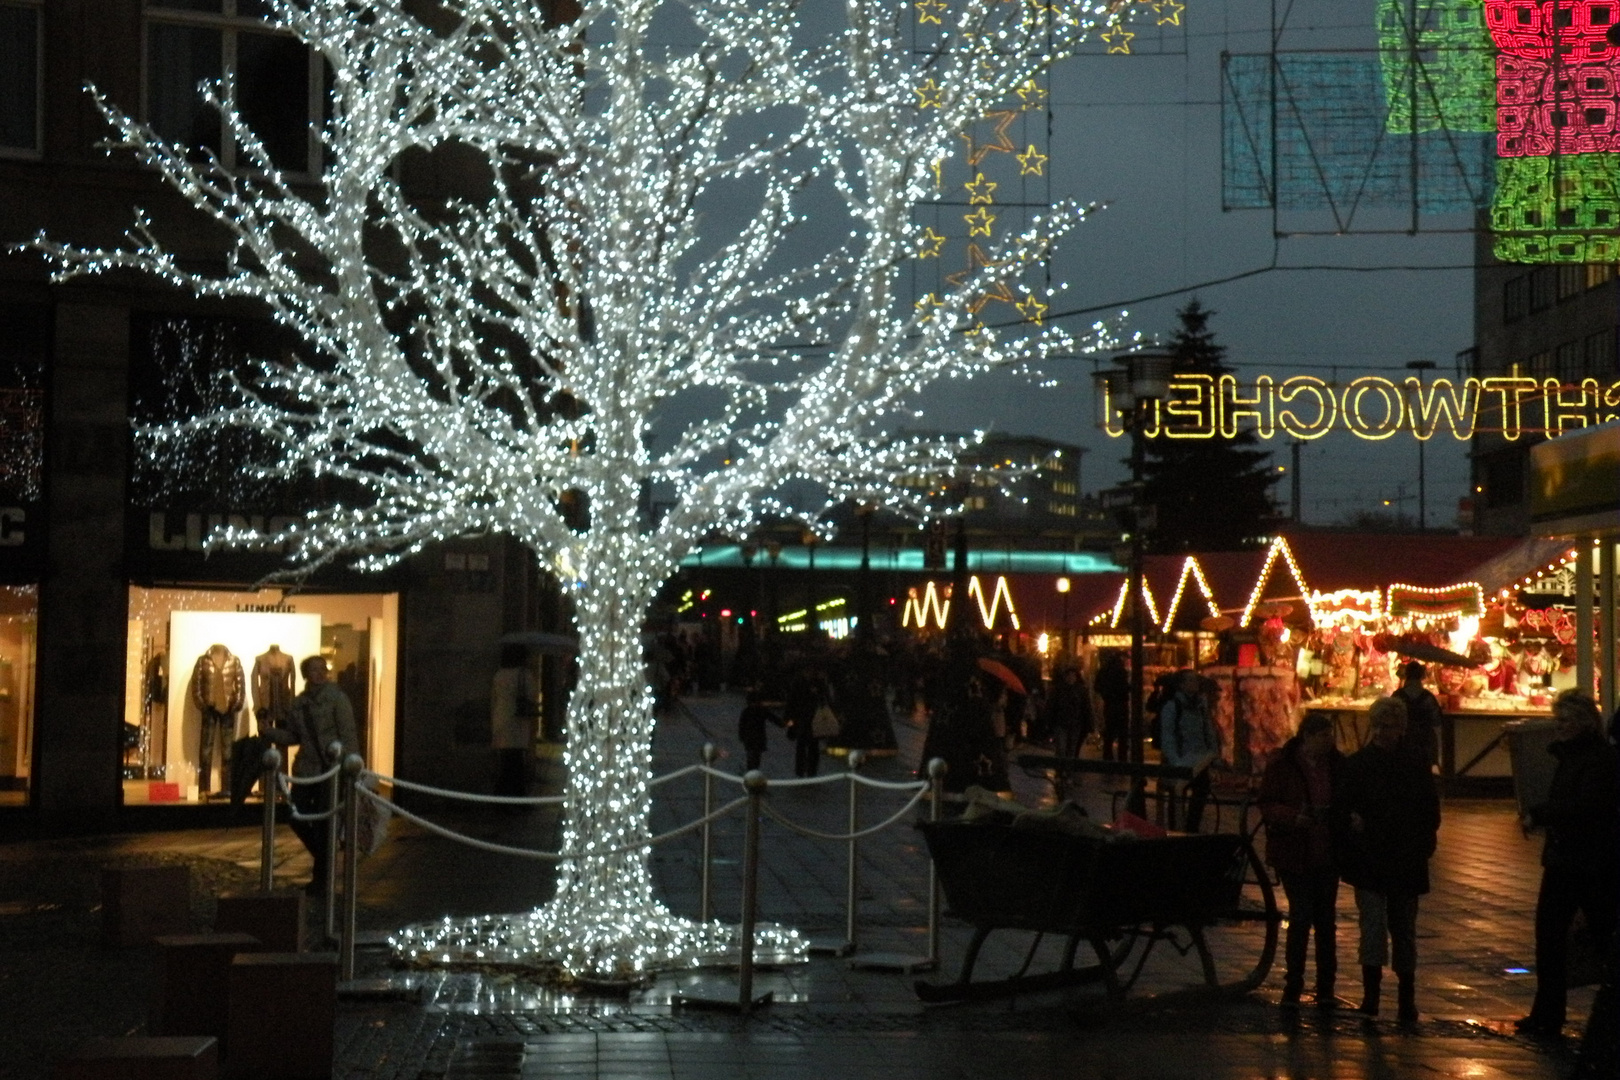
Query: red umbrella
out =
(1004, 673)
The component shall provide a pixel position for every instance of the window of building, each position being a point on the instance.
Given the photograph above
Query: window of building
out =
(1543, 286)
(278, 89)
(1571, 280)
(1571, 362)
(19, 77)
(1541, 365)
(1504, 480)
(1516, 298)
(1599, 273)
(1601, 356)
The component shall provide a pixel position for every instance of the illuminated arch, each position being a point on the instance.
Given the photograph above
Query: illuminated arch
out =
(1279, 546)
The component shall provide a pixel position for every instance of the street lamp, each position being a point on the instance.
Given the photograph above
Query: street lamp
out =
(1144, 380)
(1063, 591)
(1420, 366)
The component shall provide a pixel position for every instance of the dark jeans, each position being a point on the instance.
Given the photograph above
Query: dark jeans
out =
(806, 756)
(1312, 899)
(311, 799)
(1116, 734)
(1563, 892)
(1197, 798)
(221, 728)
(753, 754)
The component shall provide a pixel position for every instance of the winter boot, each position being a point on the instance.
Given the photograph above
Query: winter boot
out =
(1406, 996)
(1372, 979)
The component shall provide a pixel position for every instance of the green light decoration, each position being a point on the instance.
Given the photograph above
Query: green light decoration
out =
(1563, 209)
(1438, 54)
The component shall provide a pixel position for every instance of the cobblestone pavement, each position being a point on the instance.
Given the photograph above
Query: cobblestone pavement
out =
(58, 987)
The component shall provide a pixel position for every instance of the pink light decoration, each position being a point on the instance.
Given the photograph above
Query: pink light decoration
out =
(1557, 76)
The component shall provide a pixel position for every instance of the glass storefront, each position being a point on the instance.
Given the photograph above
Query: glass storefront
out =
(19, 620)
(207, 667)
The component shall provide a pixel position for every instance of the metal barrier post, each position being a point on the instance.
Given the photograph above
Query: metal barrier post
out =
(936, 781)
(851, 886)
(705, 869)
(351, 862)
(333, 787)
(267, 854)
(755, 783)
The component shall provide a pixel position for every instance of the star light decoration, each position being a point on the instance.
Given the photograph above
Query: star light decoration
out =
(507, 360)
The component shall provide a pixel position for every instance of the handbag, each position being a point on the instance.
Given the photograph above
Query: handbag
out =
(824, 724)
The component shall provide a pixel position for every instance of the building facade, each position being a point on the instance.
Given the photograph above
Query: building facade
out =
(126, 646)
(1548, 322)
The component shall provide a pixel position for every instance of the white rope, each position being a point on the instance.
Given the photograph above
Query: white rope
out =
(805, 830)
(889, 785)
(468, 796)
(546, 856)
(826, 778)
(676, 775)
(285, 783)
(321, 779)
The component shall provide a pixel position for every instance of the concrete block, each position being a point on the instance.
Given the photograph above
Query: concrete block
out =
(276, 918)
(164, 1058)
(189, 987)
(139, 903)
(282, 1008)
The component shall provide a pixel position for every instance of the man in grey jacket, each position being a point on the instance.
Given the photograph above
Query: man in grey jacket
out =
(321, 716)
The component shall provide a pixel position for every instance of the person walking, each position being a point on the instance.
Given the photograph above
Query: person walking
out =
(804, 696)
(1389, 801)
(1423, 714)
(751, 728)
(321, 716)
(1187, 738)
(1113, 686)
(514, 705)
(1580, 865)
(1068, 711)
(1296, 801)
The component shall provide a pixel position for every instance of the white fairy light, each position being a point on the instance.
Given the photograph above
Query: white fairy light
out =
(496, 361)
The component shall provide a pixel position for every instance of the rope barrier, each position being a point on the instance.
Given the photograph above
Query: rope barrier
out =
(468, 796)
(321, 779)
(285, 784)
(546, 856)
(686, 770)
(805, 830)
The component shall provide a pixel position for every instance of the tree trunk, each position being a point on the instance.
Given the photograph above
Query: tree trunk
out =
(604, 923)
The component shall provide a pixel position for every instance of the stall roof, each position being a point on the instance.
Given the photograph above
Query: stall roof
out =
(1520, 561)
(1332, 560)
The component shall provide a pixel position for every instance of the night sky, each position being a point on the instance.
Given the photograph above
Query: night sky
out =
(1143, 133)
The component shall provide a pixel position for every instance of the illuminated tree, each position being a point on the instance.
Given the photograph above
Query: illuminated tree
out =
(623, 303)
(1207, 494)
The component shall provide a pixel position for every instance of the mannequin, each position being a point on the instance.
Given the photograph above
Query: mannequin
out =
(272, 688)
(218, 690)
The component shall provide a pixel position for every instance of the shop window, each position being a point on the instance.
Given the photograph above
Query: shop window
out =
(1602, 359)
(1516, 298)
(1598, 274)
(207, 669)
(19, 77)
(19, 619)
(278, 88)
(24, 336)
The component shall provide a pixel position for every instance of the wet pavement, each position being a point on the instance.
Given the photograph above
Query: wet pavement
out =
(58, 987)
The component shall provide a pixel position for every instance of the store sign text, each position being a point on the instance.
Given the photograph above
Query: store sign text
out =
(195, 528)
(12, 520)
(1370, 407)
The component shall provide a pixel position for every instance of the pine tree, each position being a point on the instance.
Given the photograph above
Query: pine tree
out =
(1208, 494)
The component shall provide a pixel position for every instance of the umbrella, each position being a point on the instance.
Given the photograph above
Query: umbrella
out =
(1216, 623)
(1004, 673)
(1434, 654)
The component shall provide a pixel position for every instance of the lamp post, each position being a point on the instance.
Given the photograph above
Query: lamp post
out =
(1063, 591)
(1420, 366)
(1143, 379)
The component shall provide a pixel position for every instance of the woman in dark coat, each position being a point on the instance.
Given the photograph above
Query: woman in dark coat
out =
(1296, 802)
(1393, 811)
(1580, 865)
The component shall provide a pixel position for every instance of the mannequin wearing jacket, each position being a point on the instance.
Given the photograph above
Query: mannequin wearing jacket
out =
(218, 689)
(272, 688)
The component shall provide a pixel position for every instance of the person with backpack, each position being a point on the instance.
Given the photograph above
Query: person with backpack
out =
(1187, 738)
(1423, 714)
